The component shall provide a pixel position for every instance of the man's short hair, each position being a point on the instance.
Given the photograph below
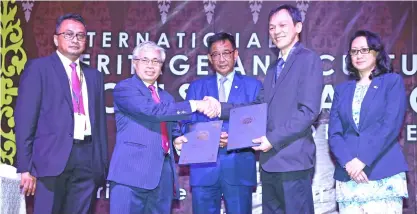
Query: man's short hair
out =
(149, 45)
(221, 36)
(292, 10)
(69, 16)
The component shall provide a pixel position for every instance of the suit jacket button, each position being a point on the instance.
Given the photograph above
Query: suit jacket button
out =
(70, 135)
(357, 134)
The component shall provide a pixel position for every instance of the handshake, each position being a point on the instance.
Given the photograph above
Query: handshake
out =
(208, 106)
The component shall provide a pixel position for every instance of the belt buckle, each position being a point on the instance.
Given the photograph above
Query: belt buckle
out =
(76, 141)
(87, 140)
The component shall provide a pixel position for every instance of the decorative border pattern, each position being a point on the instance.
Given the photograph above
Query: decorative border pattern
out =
(209, 6)
(27, 6)
(164, 6)
(255, 7)
(13, 59)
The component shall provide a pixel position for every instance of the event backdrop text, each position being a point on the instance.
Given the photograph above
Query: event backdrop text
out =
(115, 28)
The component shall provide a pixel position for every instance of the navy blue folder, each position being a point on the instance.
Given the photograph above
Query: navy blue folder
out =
(245, 124)
(203, 143)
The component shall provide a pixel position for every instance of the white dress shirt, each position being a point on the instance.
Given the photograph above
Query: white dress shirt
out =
(284, 57)
(155, 84)
(66, 62)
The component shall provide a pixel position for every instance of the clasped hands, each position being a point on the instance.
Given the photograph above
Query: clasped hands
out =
(212, 108)
(209, 106)
(355, 170)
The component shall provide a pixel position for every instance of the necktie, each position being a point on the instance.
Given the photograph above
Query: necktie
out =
(164, 129)
(280, 64)
(77, 97)
(222, 92)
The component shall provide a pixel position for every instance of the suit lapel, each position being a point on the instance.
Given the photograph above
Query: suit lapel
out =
(269, 85)
(63, 78)
(369, 96)
(163, 96)
(89, 80)
(351, 92)
(235, 91)
(211, 87)
(287, 66)
(142, 87)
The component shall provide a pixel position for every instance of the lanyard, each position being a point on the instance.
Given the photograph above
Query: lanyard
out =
(74, 95)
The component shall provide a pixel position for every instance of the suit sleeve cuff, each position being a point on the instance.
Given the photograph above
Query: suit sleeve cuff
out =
(344, 160)
(178, 151)
(193, 105)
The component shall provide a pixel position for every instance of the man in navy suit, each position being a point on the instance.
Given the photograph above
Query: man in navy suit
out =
(61, 125)
(292, 88)
(142, 166)
(234, 174)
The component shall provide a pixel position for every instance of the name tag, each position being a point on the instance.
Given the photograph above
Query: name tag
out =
(79, 129)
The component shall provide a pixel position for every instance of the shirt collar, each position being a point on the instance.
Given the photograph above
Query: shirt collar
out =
(229, 77)
(65, 61)
(284, 57)
(155, 84)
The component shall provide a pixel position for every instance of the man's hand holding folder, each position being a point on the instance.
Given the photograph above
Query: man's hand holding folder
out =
(201, 144)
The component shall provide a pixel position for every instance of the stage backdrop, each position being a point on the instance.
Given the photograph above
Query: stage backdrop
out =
(114, 28)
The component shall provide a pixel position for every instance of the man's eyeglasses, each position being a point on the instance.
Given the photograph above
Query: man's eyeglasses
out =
(226, 55)
(146, 61)
(69, 35)
(353, 52)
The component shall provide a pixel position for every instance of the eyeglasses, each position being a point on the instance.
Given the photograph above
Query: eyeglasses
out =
(353, 52)
(226, 55)
(69, 35)
(146, 61)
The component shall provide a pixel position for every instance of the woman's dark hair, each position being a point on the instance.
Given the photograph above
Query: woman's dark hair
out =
(383, 62)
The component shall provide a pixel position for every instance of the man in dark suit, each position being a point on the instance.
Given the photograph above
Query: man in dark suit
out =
(234, 174)
(292, 89)
(61, 125)
(142, 166)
